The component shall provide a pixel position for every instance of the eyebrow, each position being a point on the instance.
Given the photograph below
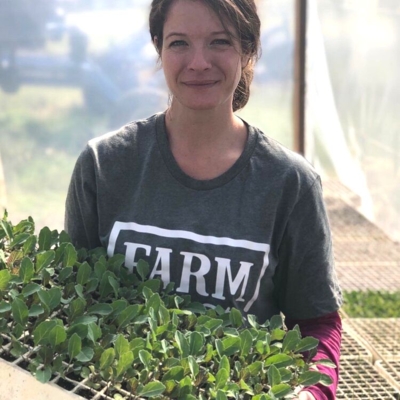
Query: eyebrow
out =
(184, 34)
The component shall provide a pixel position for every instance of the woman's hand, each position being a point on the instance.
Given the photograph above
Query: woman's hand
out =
(304, 395)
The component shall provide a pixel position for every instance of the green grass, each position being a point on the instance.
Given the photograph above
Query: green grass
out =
(372, 304)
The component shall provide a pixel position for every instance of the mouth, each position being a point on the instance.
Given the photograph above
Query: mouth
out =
(200, 84)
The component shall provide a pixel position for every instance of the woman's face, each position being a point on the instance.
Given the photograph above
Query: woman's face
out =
(201, 62)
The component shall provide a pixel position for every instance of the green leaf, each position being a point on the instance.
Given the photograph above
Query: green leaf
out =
(124, 362)
(19, 239)
(54, 297)
(82, 330)
(290, 341)
(143, 269)
(105, 287)
(42, 331)
(20, 311)
(76, 308)
(276, 322)
(306, 344)
(154, 302)
(4, 307)
(7, 228)
(91, 286)
(236, 318)
(225, 364)
(17, 331)
(118, 306)
(274, 376)
(281, 390)
(255, 368)
(136, 345)
(30, 289)
(309, 378)
(64, 237)
(196, 343)
(65, 273)
(152, 284)
(107, 358)
(94, 332)
(253, 321)
(57, 335)
(325, 380)
(44, 259)
(5, 277)
(26, 270)
(79, 291)
(220, 347)
(43, 376)
(44, 239)
(145, 358)
(174, 374)
(84, 272)
(50, 298)
(246, 341)
(114, 284)
(85, 319)
(213, 324)
(231, 345)
(74, 346)
(36, 310)
(29, 245)
(127, 315)
(279, 360)
(194, 367)
(221, 395)
(152, 389)
(100, 268)
(85, 355)
(100, 309)
(277, 334)
(221, 379)
(70, 255)
(121, 346)
(182, 343)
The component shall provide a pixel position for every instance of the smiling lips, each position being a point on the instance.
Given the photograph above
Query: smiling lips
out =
(199, 84)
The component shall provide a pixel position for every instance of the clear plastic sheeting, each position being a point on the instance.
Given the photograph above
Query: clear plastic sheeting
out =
(270, 105)
(353, 102)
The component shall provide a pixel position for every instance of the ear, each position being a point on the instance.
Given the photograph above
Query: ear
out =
(155, 44)
(245, 60)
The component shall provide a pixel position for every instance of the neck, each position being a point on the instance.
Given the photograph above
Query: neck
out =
(204, 129)
(205, 144)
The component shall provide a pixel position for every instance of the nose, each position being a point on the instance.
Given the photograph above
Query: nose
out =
(199, 60)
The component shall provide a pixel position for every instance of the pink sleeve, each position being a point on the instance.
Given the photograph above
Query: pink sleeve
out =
(328, 330)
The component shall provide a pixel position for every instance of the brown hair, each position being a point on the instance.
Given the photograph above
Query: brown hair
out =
(241, 14)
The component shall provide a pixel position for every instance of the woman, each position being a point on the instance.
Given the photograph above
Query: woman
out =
(215, 206)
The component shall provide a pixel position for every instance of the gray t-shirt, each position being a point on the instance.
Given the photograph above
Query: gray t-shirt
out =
(256, 238)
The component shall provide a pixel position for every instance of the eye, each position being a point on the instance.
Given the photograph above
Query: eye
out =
(177, 43)
(222, 42)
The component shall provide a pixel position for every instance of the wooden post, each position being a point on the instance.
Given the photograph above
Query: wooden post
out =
(299, 89)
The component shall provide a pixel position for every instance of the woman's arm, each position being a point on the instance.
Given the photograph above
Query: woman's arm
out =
(328, 330)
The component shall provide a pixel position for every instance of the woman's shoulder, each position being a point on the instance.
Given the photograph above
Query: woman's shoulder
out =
(283, 165)
(281, 156)
(126, 137)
